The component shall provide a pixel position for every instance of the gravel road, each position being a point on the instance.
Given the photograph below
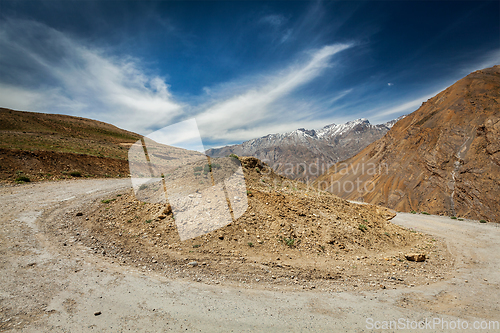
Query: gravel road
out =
(46, 286)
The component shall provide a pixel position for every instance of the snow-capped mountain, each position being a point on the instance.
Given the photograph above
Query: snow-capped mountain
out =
(305, 154)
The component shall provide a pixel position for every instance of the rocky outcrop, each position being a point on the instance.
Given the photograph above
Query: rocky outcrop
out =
(442, 158)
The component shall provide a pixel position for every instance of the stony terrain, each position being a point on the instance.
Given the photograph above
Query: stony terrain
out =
(443, 158)
(290, 236)
(54, 279)
(42, 146)
(306, 154)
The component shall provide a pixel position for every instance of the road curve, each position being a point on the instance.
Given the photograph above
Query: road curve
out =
(46, 287)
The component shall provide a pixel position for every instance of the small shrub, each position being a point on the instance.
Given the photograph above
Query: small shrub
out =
(290, 242)
(22, 179)
(425, 213)
(460, 219)
(216, 166)
(106, 201)
(257, 169)
(453, 217)
(196, 246)
(198, 168)
(366, 221)
(386, 233)
(482, 221)
(413, 212)
(197, 173)
(362, 227)
(143, 187)
(250, 244)
(149, 221)
(249, 192)
(207, 168)
(234, 156)
(75, 174)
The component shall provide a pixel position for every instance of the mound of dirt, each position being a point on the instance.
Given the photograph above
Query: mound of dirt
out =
(290, 235)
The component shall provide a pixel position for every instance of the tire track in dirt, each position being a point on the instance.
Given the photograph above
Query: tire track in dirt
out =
(46, 286)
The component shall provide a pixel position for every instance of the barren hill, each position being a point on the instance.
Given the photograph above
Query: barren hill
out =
(290, 234)
(305, 154)
(40, 146)
(443, 158)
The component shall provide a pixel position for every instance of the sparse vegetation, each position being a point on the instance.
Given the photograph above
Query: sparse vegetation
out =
(75, 174)
(250, 244)
(22, 179)
(413, 212)
(197, 168)
(453, 217)
(196, 246)
(425, 213)
(143, 187)
(290, 242)
(362, 227)
(234, 156)
(106, 201)
(207, 168)
(482, 221)
(149, 221)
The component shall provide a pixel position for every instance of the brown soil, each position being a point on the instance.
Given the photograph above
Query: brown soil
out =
(289, 236)
(36, 131)
(44, 146)
(442, 159)
(47, 165)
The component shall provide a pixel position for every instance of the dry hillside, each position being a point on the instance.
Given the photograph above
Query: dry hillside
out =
(443, 158)
(51, 146)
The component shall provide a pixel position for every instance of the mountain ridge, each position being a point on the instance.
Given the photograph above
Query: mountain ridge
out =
(302, 154)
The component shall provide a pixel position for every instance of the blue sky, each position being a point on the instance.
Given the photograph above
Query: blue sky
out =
(242, 69)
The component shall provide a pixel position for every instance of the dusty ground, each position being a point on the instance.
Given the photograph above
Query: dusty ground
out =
(49, 286)
(292, 237)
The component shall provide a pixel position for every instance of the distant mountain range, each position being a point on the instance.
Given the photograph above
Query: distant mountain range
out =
(444, 158)
(305, 154)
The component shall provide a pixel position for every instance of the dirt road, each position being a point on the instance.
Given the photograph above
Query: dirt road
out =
(46, 286)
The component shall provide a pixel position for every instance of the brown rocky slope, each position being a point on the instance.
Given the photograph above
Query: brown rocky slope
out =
(443, 158)
(290, 235)
(42, 146)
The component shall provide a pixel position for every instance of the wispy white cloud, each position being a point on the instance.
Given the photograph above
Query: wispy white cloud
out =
(266, 102)
(275, 20)
(489, 59)
(66, 76)
(383, 113)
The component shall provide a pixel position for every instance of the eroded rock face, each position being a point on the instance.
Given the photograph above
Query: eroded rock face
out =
(443, 158)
